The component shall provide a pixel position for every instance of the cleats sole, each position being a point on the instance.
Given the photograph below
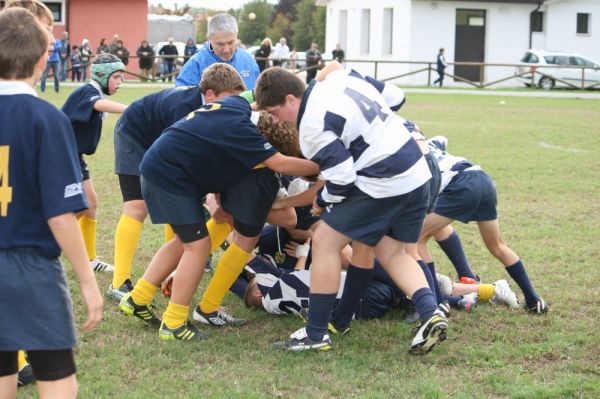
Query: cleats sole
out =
(438, 334)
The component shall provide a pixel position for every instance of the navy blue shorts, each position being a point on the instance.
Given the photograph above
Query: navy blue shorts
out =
(436, 180)
(128, 153)
(165, 207)
(249, 201)
(367, 219)
(35, 308)
(470, 196)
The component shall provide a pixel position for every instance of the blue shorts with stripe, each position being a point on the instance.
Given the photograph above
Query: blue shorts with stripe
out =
(35, 307)
(436, 180)
(367, 219)
(128, 153)
(470, 196)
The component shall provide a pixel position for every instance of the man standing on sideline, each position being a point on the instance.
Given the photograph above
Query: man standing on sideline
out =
(313, 57)
(169, 52)
(220, 47)
(53, 63)
(441, 66)
(281, 51)
(65, 54)
(338, 53)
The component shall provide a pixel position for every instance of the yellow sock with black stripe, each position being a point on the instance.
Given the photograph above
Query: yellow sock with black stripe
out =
(21, 360)
(88, 231)
(169, 233)
(143, 292)
(126, 241)
(486, 291)
(228, 269)
(175, 315)
(218, 233)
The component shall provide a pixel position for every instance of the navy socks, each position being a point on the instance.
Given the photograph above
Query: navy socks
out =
(318, 315)
(453, 249)
(519, 274)
(357, 280)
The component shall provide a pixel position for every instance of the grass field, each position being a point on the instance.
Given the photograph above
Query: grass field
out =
(544, 157)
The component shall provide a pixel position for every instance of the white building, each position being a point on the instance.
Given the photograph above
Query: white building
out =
(490, 31)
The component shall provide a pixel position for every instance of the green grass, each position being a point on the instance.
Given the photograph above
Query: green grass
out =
(549, 213)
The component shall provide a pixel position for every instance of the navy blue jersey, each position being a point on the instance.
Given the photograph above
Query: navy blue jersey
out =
(214, 147)
(40, 177)
(86, 121)
(145, 119)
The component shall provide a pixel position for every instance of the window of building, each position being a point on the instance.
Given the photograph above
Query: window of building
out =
(388, 30)
(57, 11)
(583, 21)
(365, 32)
(343, 28)
(537, 21)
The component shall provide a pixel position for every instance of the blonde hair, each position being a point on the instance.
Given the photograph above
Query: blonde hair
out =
(283, 136)
(221, 77)
(268, 41)
(37, 8)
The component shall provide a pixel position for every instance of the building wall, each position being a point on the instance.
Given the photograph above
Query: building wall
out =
(421, 27)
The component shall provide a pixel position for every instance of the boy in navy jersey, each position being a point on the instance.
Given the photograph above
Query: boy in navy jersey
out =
(375, 195)
(139, 127)
(39, 193)
(213, 148)
(86, 108)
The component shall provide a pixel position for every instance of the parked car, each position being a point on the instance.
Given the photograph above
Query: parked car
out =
(543, 60)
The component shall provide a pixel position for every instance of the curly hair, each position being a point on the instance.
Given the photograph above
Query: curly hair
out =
(281, 135)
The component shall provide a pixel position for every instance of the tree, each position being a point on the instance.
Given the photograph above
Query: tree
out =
(309, 26)
(280, 28)
(252, 31)
(287, 8)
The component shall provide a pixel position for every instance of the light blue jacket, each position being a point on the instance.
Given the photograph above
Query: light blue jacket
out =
(55, 56)
(242, 61)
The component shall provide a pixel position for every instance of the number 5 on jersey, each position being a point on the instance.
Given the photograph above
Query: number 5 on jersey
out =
(5, 189)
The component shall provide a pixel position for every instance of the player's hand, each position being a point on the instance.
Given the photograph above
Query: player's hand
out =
(93, 302)
(316, 210)
(167, 286)
(290, 248)
(220, 216)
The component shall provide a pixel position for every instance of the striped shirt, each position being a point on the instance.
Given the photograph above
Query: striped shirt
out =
(349, 130)
(450, 165)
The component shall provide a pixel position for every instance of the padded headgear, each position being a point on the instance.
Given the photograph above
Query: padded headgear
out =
(103, 67)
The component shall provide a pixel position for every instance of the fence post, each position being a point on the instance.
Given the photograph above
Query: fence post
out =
(533, 79)
(376, 67)
(429, 74)
(582, 77)
(481, 69)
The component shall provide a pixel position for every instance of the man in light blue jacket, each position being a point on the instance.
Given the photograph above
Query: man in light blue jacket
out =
(220, 47)
(53, 62)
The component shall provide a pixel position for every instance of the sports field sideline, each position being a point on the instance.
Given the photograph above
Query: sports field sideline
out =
(543, 154)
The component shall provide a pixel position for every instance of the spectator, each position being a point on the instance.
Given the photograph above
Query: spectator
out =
(75, 64)
(53, 61)
(313, 57)
(190, 50)
(262, 54)
(113, 44)
(169, 53)
(293, 58)
(281, 52)
(441, 67)
(220, 47)
(86, 53)
(103, 47)
(65, 52)
(338, 53)
(146, 59)
(121, 52)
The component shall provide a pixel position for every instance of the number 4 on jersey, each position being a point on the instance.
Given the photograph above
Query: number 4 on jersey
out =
(369, 108)
(5, 189)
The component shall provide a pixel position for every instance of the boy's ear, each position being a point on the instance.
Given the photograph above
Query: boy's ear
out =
(210, 96)
(40, 66)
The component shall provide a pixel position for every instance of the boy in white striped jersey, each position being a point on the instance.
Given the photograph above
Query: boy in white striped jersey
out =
(375, 196)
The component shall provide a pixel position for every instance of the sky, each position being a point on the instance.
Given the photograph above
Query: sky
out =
(222, 4)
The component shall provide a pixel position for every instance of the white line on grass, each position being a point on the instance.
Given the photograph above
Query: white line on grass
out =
(559, 148)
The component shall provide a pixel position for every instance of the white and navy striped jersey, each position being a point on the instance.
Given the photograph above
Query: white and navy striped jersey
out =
(288, 293)
(347, 127)
(450, 165)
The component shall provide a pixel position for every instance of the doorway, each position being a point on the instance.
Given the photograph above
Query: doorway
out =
(469, 43)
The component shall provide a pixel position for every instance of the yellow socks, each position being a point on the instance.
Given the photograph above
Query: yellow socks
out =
(229, 268)
(143, 292)
(218, 233)
(175, 315)
(88, 231)
(126, 241)
(21, 360)
(169, 233)
(486, 291)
